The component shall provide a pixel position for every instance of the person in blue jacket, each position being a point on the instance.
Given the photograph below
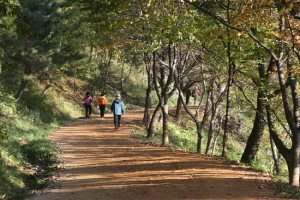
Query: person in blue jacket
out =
(118, 109)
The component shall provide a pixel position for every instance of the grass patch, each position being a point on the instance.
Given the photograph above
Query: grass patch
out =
(287, 191)
(27, 154)
(179, 137)
(183, 139)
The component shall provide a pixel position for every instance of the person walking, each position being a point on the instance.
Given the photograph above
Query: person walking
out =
(188, 94)
(118, 109)
(102, 103)
(195, 94)
(87, 102)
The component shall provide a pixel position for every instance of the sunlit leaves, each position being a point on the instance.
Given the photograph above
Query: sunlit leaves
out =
(9, 8)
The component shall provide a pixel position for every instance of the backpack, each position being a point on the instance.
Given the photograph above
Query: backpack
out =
(194, 93)
(87, 101)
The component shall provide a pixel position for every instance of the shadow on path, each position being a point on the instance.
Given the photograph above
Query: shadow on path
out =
(99, 162)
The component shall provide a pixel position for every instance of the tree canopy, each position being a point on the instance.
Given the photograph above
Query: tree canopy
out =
(242, 55)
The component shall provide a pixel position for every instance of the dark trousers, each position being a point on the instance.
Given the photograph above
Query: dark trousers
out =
(102, 110)
(117, 120)
(88, 110)
(195, 100)
(187, 99)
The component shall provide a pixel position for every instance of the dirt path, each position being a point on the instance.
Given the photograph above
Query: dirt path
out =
(100, 162)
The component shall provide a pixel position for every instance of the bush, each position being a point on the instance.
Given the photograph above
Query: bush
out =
(26, 151)
(40, 152)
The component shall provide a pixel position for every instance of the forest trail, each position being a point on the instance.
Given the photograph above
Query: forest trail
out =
(99, 162)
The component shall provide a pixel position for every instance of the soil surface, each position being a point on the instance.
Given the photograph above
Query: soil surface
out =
(100, 162)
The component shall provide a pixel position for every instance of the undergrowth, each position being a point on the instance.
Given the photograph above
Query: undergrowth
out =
(27, 154)
(184, 138)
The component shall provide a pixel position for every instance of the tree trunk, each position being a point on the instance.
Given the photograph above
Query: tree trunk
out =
(291, 156)
(214, 110)
(217, 135)
(165, 135)
(231, 72)
(294, 165)
(147, 110)
(254, 139)
(276, 157)
(200, 125)
(199, 136)
(153, 123)
(292, 117)
(211, 130)
(46, 88)
(163, 92)
(178, 110)
(149, 93)
(22, 87)
(24, 82)
(105, 66)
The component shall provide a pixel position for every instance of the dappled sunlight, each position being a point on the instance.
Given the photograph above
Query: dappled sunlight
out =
(99, 162)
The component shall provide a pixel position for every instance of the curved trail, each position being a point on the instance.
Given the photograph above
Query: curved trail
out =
(99, 162)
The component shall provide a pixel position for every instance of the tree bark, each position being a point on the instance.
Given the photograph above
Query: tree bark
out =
(149, 92)
(276, 157)
(24, 82)
(214, 111)
(147, 110)
(153, 123)
(254, 139)
(165, 135)
(199, 125)
(178, 110)
(231, 72)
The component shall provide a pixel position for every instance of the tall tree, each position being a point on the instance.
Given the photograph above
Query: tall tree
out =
(37, 54)
(280, 11)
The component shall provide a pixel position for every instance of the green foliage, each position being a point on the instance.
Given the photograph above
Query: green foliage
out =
(39, 152)
(235, 152)
(27, 145)
(3, 132)
(173, 101)
(183, 139)
(45, 109)
(179, 137)
(56, 35)
(11, 181)
(25, 129)
(287, 191)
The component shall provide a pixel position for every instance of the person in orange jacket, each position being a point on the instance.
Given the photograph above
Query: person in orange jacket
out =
(102, 104)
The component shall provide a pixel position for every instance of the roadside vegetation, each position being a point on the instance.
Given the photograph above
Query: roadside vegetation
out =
(28, 157)
(244, 62)
(27, 154)
(183, 138)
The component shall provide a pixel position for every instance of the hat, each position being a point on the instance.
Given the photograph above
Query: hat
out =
(118, 96)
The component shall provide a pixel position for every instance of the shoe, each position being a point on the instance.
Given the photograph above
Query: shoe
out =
(102, 118)
(117, 127)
